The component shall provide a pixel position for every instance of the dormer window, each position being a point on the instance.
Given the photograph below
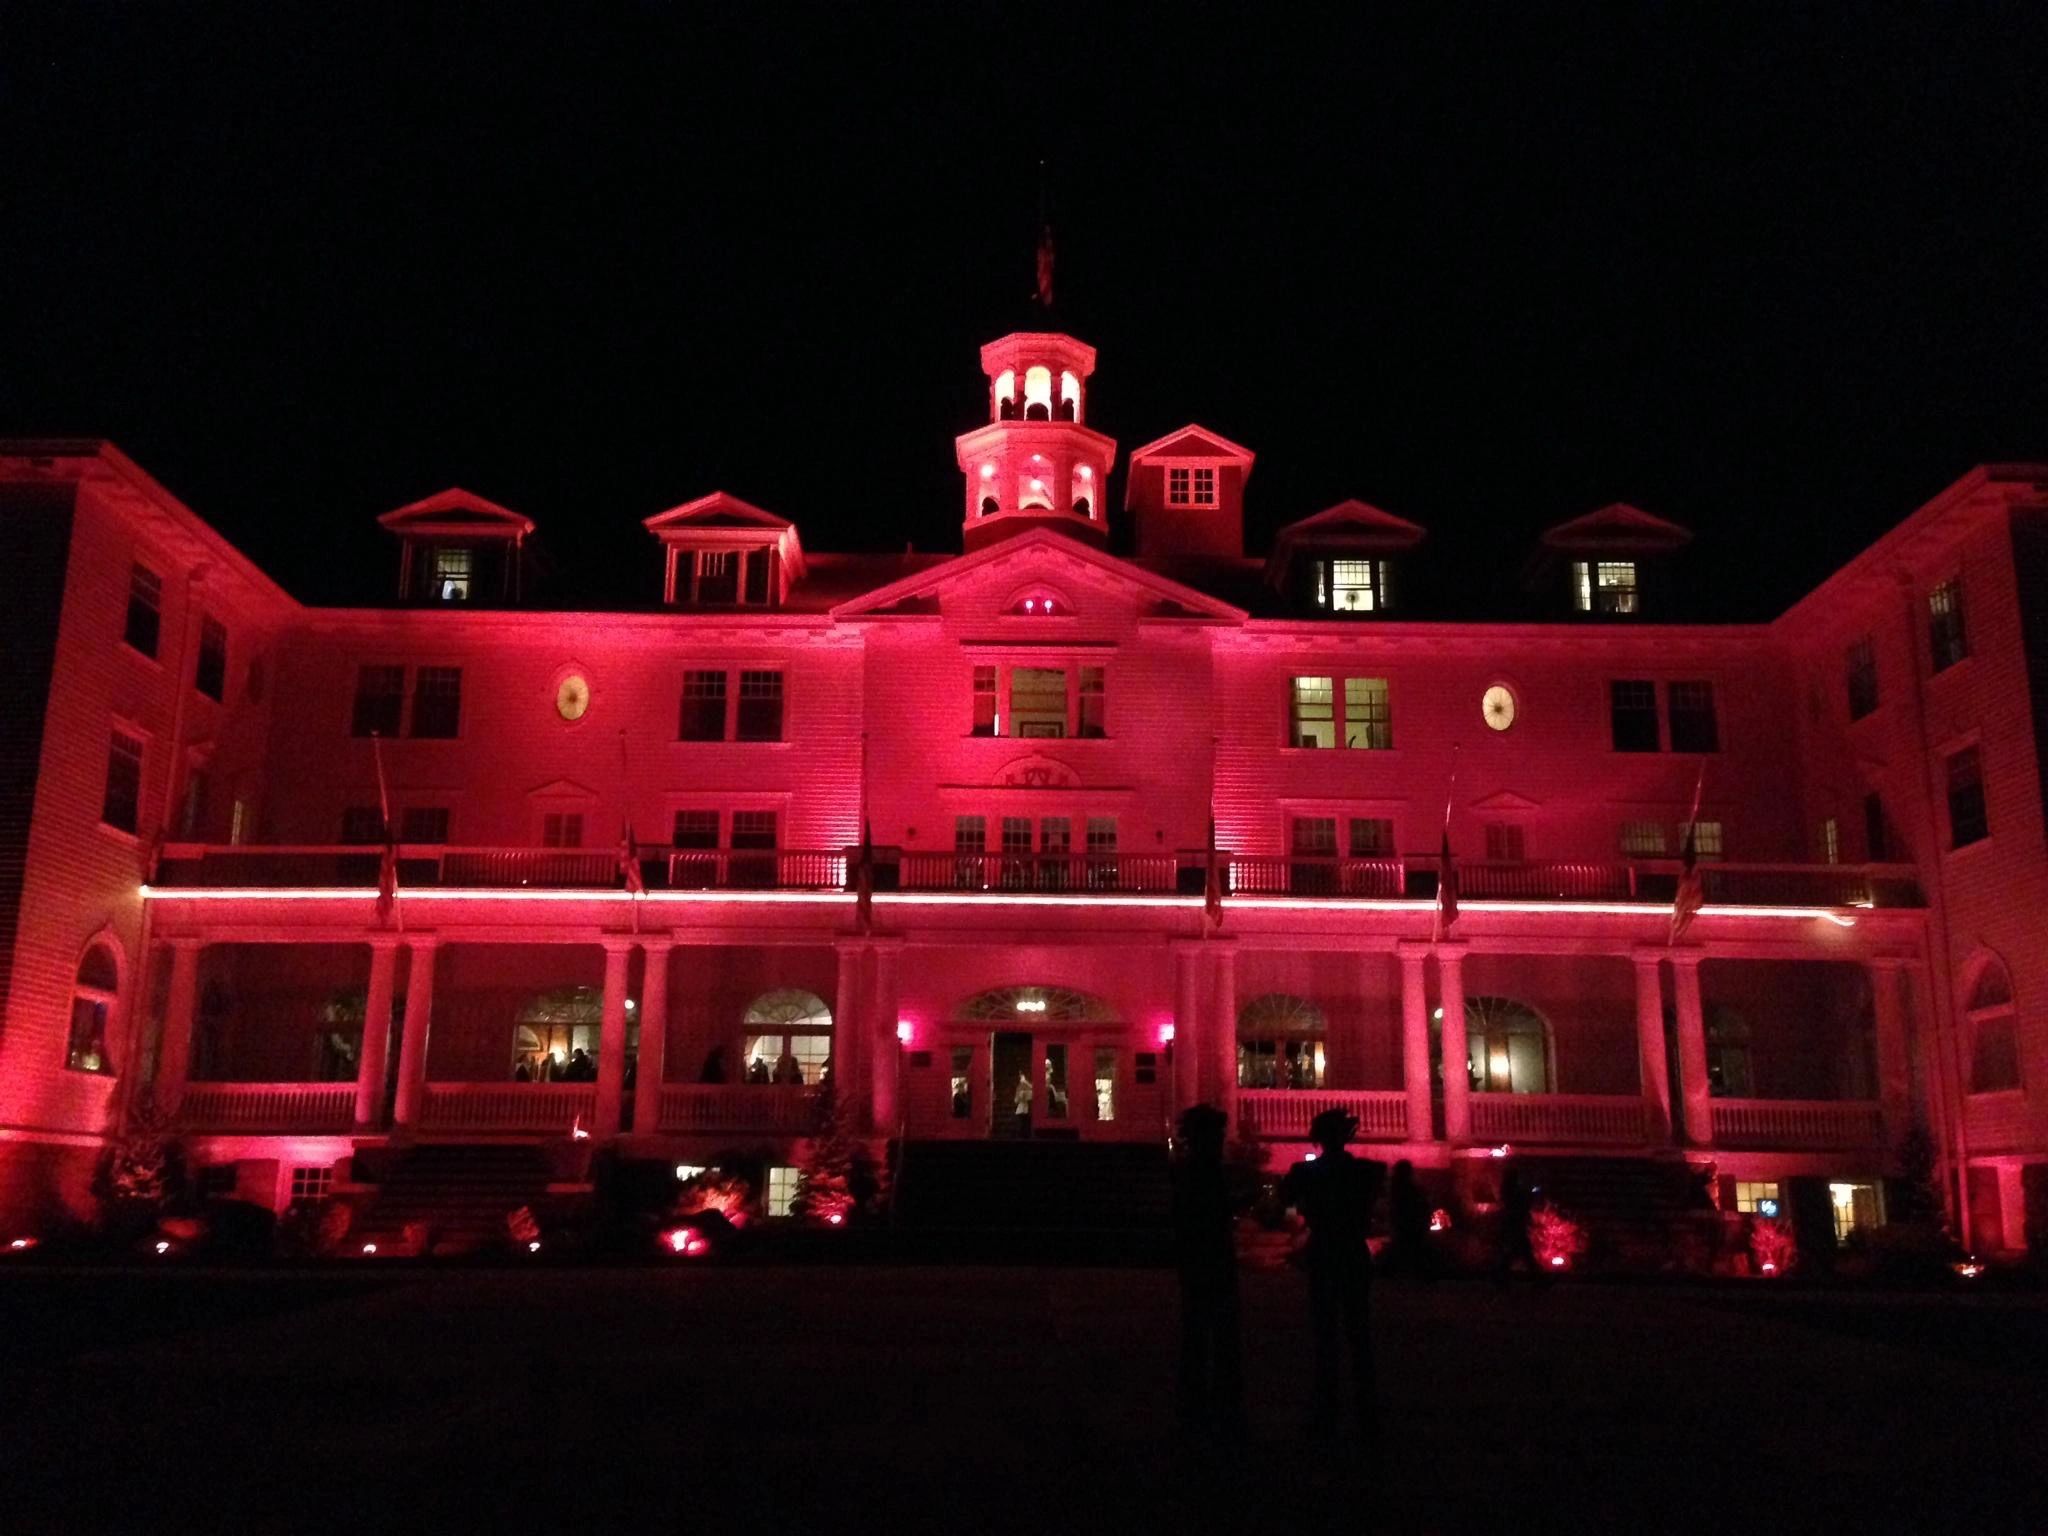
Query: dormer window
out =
(722, 578)
(1351, 586)
(1604, 586)
(453, 571)
(1191, 487)
(718, 576)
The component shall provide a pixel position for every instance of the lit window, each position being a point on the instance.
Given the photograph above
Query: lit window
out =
(1312, 712)
(380, 701)
(1757, 1197)
(1006, 394)
(1280, 1043)
(1858, 1207)
(437, 702)
(1504, 843)
(210, 677)
(1693, 725)
(1055, 1081)
(961, 1088)
(703, 709)
(760, 707)
(145, 610)
(121, 805)
(1707, 840)
(1038, 701)
(985, 699)
(93, 995)
(423, 824)
(1632, 715)
(1368, 715)
(1070, 397)
(1507, 1046)
(1037, 394)
(1967, 820)
(1947, 643)
(1105, 1083)
(1642, 839)
(1860, 670)
(453, 569)
(1351, 586)
(782, 1188)
(1372, 837)
(1605, 586)
(1191, 487)
(1093, 700)
(561, 829)
(312, 1183)
(1830, 842)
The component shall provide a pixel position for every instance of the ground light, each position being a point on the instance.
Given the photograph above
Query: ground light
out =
(534, 1246)
(1969, 1268)
(370, 1250)
(163, 1247)
(686, 1242)
(1439, 1220)
(21, 1245)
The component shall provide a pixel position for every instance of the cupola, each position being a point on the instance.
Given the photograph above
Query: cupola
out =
(1035, 465)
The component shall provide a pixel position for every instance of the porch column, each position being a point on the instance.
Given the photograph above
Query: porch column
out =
(652, 1067)
(1415, 1042)
(1450, 988)
(887, 1049)
(611, 1040)
(1653, 1069)
(1894, 1055)
(1692, 1049)
(849, 1045)
(373, 1059)
(1223, 1037)
(174, 1060)
(412, 1044)
(1188, 1038)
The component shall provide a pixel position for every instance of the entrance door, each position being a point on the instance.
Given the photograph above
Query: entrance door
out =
(1010, 1089)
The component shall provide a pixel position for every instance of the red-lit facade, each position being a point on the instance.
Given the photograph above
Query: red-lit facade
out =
(1034, 739)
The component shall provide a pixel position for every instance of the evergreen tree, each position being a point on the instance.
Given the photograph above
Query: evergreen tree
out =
(835, 1171)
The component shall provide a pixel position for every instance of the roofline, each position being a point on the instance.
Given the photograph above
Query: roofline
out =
(1236, 451)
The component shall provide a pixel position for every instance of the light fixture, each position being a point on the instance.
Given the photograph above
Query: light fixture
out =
(988, 471)
(903, 1031)
(1085, 472)
(1166, 1032)
(534, 1246)
(370, 1250)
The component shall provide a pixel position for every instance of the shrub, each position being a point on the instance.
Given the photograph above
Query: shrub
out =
(1772, 1246)
(836, 1179)
(1554, 1238)
(715, 1190)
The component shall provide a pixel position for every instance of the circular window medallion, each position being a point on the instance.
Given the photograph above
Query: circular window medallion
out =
(572, 697)
(1498, 705)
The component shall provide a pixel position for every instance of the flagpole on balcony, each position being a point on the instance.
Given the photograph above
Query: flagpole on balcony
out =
(1446, 868)
(629, 851)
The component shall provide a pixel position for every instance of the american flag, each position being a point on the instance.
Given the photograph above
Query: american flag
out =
(1212, 884)
(629, 861)
(1446, 888)
(1692, 891)
(387, 863)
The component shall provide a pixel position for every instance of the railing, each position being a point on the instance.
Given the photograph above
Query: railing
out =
(557, 867)
(746, 869)
(1257, 875)
(1283, 1114)
(1557, 1117)
(1781, 1123)
(507, 1106)
(268, 1107)
(738, 1107)
(1037, 872)
(1547, 880)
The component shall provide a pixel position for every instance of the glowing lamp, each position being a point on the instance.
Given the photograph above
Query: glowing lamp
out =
(576, 1131)
(1969, 1269)
(370, 1250)
(1037, 485)
(686, 1241)
(1499, 1151)
(1166, 1033)
(1768, 1267)
(534, 1246)
(1085, 472)
(904, 1031)
(21, 1244)
(988, 471)
(1557, 1261)
(835, 1219)
(163, 1247)
(1439, 1220)
(1312, 1157)
(1038, 458)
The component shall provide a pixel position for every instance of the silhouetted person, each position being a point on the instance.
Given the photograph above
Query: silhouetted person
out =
(757, 1070)
(581, 1068)
(1514, 1224)
(522, 1073)
(714, 1066)
(787, 1069)
(1335, 1193)
(1408, 1216)
(1211, 1362)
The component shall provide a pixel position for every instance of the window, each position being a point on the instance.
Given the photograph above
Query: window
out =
(986, 721)
(1967, 821)
(788, 1038)
(1038, 701)
(1016, 845)
(211, 675)
(1830, 842)
(423, 824)
(380, 700)
(1351, 586)
(1859, 1207)
(1707, 841)
(1313, 713)
(1504, 842)
(1105, 1083)
(145, 610)
(1728, 1062)
(1372, 837)
(755, 833)
(1947, 643)
(93, 995)
(121, 806)
(1876, 831)
(703, 711)
(1313, 841)
(1507, 1046)
(783, 1184)
(760, 709)
(1102, 866)
(311, 1183)
(1758, 1197)
(1604, 586)
(1632, 712)
(1056, 1080)
(694, 830)
(1693, 727)
(718, 576)
(1368, 716)
(1191, 487)
(564, 829)
(1860, 677)
(437, 703)
(362, 825)
(1092, 701)
(1994, 1038)
(453, 569)
(1642, 839)
(1280, 1043)
(961, 1088)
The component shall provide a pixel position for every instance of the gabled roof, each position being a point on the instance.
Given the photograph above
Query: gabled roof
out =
(1619, 526)
(1172, 598)
(456, 511)
(720, 509)
(1504, 800)
(1194, 442)
(1352, 524)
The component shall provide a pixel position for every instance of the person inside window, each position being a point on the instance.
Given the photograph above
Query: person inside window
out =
(787, 1070)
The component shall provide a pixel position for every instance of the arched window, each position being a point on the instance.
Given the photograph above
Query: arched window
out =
(1280, 1043)
(93, 996)
(1070, 397)
(555, 1037)
(789, 1037)
(1006, 395)
(1038, 394)
(1036, 1005)
(1994, 1032)
(1728, 1063)
(1507, 1046)
(1034, 489)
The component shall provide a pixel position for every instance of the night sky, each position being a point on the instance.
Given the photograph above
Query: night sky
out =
(1777, 276)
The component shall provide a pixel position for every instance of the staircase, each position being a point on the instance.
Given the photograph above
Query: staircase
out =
(462, 1193)
(1073, 1201)
(1633, 1209)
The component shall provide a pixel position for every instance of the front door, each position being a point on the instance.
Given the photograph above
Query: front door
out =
(1010, 1088)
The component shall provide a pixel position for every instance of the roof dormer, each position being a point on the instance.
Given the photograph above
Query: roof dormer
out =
(1185, 495)
(456, 547)
(1341, 561)
(1612, 561)
(722, 552)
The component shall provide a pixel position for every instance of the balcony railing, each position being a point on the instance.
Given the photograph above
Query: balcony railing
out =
(738, 1107)
(1651, 882)
(267, 1107)
(1777, 1123)
(508, 1107)
(1573, 1118)
(1283, 1114)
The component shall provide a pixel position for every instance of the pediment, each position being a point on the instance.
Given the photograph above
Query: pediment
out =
(1617, 527)
(456, 511)
(720, 509)
(1194, 442)
(1035, 771)
(1505, 801)
(1351, 524)
(561, 789)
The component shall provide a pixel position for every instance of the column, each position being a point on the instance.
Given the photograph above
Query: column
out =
(887, 1051)
(1652, 1066)
(1692, 1050)
(1415, 1042)
(1894, 1060)
(1223, 1032)
(180, 1006)
(652, 1068)
(374, 1058)
(1187, 1027)
(849, 1044)
(412, 1044)
(611, 1040)
(1450, 988)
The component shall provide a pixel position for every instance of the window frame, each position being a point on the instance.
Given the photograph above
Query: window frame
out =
(1187, 484)
(1641, 714)
(426, 687)
(118, 733)
(211, 663)
(106, 1004)
(363, 701)
(1973, 751)
(1862, 687)
(1701, 729)
(145, 597)
(1948, 633)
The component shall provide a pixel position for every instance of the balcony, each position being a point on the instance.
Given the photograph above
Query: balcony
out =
(1575, 1119)
(1283, 1114)
(765, 1107)
(1819, 1124)
(255, 1108)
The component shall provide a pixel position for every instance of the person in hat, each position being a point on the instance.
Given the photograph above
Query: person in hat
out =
(1211, 1358)
(1335, 1194)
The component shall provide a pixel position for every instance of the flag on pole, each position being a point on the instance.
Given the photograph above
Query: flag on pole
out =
(864, 881)
(629, 860)
(1446, 866)
(387, 863)
(1692, 893)
(1212, 883)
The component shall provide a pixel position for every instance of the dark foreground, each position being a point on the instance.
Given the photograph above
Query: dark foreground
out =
(966, 1400)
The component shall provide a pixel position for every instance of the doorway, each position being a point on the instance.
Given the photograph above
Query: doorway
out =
(1010, 1091)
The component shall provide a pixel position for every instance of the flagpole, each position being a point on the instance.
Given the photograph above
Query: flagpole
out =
(387, 861)
(629, 852)
(1446, 872)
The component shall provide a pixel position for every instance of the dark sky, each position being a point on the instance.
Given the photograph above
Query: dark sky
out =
(1778, 273)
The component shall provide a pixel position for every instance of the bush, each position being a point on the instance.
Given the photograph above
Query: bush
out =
(312, 1229)
(836, 1175)
(714, 1189)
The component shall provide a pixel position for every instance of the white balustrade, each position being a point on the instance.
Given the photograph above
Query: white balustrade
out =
(1557, 1117)
(1796, 1123)
(515, 1107)
(738, 1107)
(1283, 1114)
(268, 1106)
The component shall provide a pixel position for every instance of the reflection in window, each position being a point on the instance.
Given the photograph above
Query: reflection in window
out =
(1280, 1043)
(788, 1037)
(1507, 1045)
